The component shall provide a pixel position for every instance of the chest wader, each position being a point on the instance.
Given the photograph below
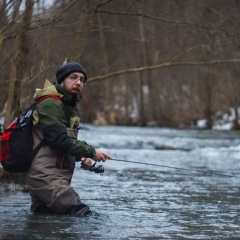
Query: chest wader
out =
(49, 179)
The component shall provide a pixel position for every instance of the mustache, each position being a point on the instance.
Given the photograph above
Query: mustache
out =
(77, 89)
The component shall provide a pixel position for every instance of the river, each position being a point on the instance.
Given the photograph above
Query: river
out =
(138, 201)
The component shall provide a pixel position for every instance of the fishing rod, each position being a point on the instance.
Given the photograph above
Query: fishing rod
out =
(100, 169)
(176, 168)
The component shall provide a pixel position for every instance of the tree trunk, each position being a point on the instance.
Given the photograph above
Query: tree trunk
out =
(236, 125)
(208, 106)
(86, 16)
(18, 65)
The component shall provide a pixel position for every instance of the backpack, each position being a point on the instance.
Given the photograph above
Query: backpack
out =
(16, 143)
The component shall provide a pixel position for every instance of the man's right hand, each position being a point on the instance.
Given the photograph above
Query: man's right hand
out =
(101, 156)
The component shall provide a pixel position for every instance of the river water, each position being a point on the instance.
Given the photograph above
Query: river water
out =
(137, 201)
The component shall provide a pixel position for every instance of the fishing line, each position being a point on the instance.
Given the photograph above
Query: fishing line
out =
(176, 168)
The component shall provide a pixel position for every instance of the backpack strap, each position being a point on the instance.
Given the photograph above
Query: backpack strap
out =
(49, 96)
(37, 148)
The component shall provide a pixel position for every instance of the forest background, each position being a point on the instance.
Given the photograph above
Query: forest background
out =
(164, 63)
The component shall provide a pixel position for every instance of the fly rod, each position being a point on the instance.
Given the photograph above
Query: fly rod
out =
(176, 168)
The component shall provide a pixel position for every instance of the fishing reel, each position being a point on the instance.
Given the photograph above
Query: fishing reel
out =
(94, 168)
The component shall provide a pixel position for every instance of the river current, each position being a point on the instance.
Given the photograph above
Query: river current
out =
(138, 201)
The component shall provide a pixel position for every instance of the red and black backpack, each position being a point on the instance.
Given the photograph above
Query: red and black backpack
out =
(16, 143)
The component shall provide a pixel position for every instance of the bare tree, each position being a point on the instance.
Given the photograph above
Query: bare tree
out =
(18, 63)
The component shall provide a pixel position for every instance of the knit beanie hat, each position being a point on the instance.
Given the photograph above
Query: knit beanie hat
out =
(67, 69)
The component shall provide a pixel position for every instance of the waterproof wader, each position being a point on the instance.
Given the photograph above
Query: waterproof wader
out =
(49, 179)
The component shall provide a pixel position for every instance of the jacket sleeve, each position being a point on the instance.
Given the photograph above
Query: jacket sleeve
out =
(52, 121)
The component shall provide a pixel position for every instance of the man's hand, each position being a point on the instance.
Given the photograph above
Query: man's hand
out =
(86, 163)
(101, 156)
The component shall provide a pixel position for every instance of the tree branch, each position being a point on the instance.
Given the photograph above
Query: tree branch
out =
(204, 26)
(197, 47)
(103, 3)
(163, 65)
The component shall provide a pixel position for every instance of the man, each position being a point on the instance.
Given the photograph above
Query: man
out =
(56, 120)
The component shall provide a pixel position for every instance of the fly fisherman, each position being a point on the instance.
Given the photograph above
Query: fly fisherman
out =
(56, 120)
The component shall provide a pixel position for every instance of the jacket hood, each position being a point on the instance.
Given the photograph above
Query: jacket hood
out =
(47, 89)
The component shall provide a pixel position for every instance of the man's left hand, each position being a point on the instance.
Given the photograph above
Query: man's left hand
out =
(86, 163)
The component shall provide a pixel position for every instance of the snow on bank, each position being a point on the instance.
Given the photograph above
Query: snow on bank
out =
(222, 120)
(202, 123)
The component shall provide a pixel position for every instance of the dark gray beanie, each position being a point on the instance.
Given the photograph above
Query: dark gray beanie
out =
(67, 69)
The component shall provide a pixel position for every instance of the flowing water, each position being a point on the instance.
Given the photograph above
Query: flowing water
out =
(136, 201)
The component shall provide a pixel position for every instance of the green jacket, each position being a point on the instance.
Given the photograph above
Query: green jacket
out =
(50, 116)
